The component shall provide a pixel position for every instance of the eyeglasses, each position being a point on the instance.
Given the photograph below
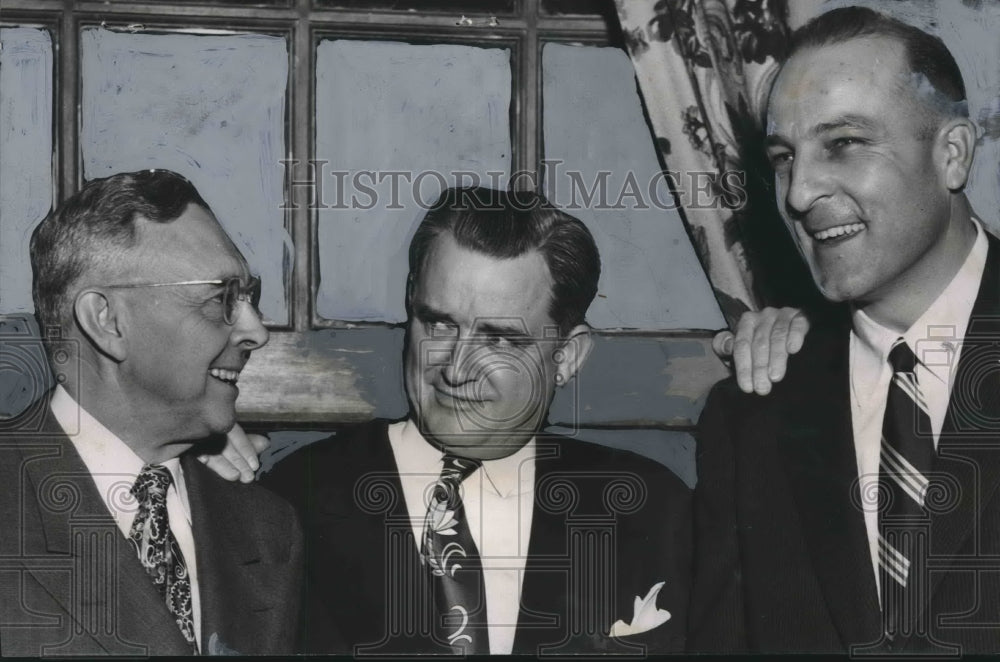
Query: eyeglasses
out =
(233, 291)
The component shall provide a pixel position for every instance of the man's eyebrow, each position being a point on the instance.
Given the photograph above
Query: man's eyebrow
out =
(775, 140)
(429, 313)
(509, 329)
(846, 122)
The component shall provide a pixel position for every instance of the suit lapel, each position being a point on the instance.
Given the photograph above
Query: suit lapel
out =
(546, 572)
(235, 605)
(968, 463)
(367, 509)
(121, 610)
(818, 448)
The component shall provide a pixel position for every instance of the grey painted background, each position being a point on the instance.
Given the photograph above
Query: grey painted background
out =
(394, 107)
(211, 107)
(650, 278)
(25, 155)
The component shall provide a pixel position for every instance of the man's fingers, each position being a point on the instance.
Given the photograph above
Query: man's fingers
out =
(778, 359)
(797, 334)
(221, 466)
(742, 351)
(260, 444)
(236, 458)
(242, 450)
(722, 345)
(787, 337)
(761, 346)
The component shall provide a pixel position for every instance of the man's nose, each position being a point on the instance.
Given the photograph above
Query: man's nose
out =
(808, 182)
(249, 331)
(461, 364)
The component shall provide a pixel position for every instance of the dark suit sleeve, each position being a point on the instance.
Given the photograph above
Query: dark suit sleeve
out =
(298, 478)
(716, 619)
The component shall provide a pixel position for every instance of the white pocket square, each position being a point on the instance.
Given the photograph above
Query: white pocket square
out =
(645, 616)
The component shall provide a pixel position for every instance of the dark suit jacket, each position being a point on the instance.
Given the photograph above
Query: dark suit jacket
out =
(607, 525)
(71, 584)
(782, 558)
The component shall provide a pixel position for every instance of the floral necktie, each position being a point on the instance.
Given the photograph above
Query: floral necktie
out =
(157, 548)
(456, 572)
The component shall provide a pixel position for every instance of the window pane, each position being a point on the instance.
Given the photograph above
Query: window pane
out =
(413, 117)
(604, 8)
(239, 3)
(598, 145)
(426, 6)
(211, 107)
(25, 155)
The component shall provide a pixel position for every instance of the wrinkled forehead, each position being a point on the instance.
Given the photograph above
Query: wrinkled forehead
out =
(468, 284)
(194, 245)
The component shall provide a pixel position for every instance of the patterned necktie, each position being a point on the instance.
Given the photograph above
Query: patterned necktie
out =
(456, 572)
(157, 548)
(904, 464)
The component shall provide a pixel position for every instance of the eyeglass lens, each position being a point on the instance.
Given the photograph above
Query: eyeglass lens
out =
(234, 292)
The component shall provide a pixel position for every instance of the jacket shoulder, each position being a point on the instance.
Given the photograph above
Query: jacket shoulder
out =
(565, 456)
(330, 463)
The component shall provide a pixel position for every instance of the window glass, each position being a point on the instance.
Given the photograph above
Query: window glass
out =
(395, 124)
(210, 107)
(602, 167)
(25, 155)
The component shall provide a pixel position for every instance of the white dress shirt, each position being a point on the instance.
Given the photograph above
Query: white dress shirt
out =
(935, 338)
(499, 501)
(114, 467)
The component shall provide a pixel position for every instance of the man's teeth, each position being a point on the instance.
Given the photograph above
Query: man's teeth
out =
(839, 230)
(225, 375)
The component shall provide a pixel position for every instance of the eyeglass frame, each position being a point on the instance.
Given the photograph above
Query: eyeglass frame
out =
(250, 293)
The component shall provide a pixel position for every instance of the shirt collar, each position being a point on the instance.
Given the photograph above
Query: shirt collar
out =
(506, 476)
(110, 461)
(941, 326)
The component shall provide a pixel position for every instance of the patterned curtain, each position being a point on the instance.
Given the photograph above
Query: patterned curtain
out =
(705, 68)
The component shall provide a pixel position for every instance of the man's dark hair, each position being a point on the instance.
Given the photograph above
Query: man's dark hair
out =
(926, 54)
(506, 224)
(92, 230)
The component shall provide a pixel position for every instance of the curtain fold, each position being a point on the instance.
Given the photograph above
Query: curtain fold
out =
(704, 68)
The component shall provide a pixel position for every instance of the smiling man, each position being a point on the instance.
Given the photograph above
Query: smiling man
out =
(115, 544)
(465, 528)
(853, 509)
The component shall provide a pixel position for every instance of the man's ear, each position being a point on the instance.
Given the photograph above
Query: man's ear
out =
(573, 353)
(99, 319)
(410, 286)
(958, 142)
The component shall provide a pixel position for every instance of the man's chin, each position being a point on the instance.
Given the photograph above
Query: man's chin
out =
(476, 444)
(219, 423)
(486, 449)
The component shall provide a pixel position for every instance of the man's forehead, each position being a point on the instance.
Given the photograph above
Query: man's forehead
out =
(461, 280)
(836, 78)
(193, 245)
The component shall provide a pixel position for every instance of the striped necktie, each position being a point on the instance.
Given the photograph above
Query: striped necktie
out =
(905, 463)
(456, 571)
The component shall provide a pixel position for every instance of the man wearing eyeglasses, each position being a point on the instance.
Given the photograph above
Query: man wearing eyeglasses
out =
(115, 540)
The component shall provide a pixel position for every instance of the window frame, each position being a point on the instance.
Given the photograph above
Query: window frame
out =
(289, 355)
